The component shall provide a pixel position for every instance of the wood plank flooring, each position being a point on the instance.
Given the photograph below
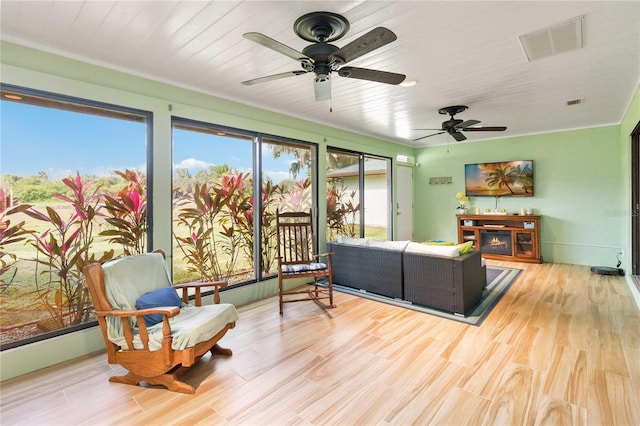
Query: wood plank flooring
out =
(561, 348)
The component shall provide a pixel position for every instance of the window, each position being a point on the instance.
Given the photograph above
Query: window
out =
(217, 235)
(358, 195)
(286, 185)
(213, 203)
(68, 197)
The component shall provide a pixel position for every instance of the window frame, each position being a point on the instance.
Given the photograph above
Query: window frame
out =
(258, 140)
(47, 99)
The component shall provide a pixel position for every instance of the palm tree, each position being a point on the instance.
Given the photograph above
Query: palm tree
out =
(500, 177)
(522, 175)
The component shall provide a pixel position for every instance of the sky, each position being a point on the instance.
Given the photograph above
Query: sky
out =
(60, 143)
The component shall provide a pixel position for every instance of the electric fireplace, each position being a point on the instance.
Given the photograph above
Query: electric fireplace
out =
(495, 242)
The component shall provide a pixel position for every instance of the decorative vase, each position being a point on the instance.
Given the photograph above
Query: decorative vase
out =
(462, 210)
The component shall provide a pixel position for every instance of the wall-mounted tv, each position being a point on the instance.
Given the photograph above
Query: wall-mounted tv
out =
(500, 179)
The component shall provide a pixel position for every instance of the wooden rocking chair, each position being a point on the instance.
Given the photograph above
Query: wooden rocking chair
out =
(153, 353)
(297, 259)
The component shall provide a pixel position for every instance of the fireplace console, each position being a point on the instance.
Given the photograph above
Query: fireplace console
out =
(502, 237)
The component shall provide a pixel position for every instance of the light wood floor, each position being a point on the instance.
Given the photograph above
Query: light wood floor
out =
(562, 347)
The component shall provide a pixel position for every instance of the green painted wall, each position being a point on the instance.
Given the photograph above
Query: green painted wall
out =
(577, 178)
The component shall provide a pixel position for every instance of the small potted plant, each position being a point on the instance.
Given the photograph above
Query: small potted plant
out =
(462, 203)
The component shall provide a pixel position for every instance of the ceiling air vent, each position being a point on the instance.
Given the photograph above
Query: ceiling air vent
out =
(574, 102)
(553, 40)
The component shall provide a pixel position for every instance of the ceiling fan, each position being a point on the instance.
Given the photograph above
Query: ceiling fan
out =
(323, 58)
(453, 126)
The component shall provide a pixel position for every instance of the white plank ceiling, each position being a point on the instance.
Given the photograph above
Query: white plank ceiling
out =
(459, 52)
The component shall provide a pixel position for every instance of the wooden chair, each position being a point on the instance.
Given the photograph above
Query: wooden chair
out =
(297, 259)
(154, 353)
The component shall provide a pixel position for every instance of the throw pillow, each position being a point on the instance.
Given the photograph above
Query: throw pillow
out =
(465, 248)
(165, 296)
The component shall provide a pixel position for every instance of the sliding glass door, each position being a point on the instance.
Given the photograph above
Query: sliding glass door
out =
(358, 195)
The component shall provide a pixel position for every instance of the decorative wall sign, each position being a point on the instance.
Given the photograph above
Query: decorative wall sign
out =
(440, 180)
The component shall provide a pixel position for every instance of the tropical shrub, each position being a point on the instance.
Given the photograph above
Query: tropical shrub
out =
(9, 235)
(62, 250)
(127, 214)
(342, 211)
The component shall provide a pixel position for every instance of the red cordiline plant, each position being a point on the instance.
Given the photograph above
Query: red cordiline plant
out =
(127, 214)
(62, 251)
(220, 223)
(200, 211)
(9, 234)
(271, 196)
(341, 211)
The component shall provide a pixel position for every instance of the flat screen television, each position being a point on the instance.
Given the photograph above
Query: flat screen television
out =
(499, 179)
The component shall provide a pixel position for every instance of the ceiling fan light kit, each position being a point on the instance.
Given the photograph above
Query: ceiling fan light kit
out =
(323, 58)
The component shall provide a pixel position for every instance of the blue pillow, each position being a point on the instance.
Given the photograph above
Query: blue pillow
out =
(166, 296)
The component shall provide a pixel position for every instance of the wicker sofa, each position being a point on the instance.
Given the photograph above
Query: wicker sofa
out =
(453, 284)
(419, 274)
(374, 269)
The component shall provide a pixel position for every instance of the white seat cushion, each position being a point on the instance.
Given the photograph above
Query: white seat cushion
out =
(191, 326)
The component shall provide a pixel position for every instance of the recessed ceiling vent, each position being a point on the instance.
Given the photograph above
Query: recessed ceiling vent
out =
(554, 40)
(574, 102)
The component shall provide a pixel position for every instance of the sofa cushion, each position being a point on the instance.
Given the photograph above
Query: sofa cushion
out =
(353, 241)
(446, 251)
(391, 245)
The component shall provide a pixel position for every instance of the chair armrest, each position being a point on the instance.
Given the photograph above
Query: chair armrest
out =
(198, 285)
(328, 254)
(166, 311)
(169, 311)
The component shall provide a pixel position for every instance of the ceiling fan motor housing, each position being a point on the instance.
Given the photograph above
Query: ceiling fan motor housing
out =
(450, 125)
(322, 64)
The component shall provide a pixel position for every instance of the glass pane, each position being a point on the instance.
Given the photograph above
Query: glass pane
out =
(213, 204)
(524, 244)
(376, 198)
(287, 170)
(343, 194)
(68, 197)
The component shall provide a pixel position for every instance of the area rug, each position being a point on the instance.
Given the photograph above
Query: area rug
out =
(499, 280)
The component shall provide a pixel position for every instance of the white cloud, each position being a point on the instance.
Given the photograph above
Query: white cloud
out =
(277, 177)
(193, 165)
